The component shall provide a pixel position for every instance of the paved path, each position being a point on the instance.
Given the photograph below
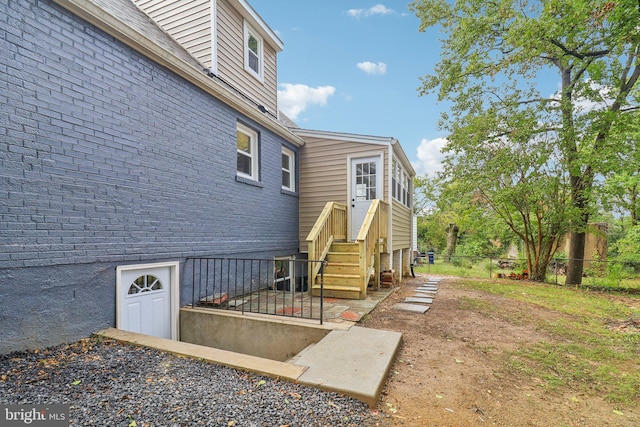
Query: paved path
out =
(422, 298)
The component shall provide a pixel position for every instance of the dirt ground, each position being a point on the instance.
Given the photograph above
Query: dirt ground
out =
(450, 370)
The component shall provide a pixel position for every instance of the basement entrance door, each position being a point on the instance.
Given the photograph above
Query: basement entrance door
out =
(144, 299)
(366, 185)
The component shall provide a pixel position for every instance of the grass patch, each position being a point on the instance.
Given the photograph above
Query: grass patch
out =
(611, 280)
(594, 338)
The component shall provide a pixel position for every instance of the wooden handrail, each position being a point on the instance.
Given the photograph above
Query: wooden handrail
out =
(375, 228)
(331, 225)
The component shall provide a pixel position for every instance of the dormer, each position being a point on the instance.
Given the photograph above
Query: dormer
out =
(229, 38)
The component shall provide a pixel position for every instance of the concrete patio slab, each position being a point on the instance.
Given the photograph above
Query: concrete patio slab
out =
(354, 362)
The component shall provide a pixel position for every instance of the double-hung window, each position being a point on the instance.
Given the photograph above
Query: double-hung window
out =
(400, 184)
(288, 170)
(247, 147)
(253, 52)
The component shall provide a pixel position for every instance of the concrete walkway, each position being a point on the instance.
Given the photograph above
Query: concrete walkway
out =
(422, 298)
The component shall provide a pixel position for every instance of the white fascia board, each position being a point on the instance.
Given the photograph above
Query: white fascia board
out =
(113, 26)
(258, 23)
(348, 137)
(400, 154)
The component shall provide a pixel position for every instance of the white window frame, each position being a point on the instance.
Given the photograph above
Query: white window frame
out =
(291, 270)
(292, 169)
(250, 32)
(253, 154)
(401, 183)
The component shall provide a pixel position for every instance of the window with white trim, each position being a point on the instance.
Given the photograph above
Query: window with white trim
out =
(283, 273)
(247, 147)
(288, 170)
(253, 52)
(400, 184)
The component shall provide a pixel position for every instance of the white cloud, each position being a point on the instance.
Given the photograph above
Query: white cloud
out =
(378, 9)
(293, 99)
(373, 68)
(430, 156)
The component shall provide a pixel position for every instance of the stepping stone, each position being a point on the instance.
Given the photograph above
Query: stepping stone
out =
(422, 288)
(419, 300)
(414, 308)
(424, 294)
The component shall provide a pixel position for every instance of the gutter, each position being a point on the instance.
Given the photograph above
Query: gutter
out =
(118, 29)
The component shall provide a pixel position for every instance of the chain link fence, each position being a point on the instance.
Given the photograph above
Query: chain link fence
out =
(610, 274)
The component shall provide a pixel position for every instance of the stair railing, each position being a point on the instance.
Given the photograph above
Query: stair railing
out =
(330, 226)
(373, 233)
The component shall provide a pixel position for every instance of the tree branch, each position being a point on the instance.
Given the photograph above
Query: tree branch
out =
(570, 52)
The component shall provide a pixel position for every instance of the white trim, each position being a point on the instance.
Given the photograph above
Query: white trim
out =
(174, 291)
(258, 23)
(292, 168)
(214, 37)
(249, 31)
(379, 156)
(348, 137)
(254, 148)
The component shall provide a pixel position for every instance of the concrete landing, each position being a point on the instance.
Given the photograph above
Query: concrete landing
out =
(354, 362)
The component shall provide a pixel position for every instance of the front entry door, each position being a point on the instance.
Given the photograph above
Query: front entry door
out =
(366, 185)
(144, 300)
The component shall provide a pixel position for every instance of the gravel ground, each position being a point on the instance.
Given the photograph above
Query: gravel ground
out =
(107, 383)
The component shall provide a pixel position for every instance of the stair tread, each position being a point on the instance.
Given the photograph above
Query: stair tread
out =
(341, 275)
(338, 287)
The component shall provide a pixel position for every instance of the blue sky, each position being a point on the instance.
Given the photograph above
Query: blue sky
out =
(355, 67)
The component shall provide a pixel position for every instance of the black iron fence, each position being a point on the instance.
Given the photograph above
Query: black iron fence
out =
(268, 286)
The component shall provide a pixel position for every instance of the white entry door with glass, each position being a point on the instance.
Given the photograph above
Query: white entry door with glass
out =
(366, 185)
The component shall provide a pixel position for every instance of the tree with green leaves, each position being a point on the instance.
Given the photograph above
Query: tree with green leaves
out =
(494, 54)
(621, 189)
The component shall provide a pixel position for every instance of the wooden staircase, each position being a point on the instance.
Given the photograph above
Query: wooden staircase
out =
(342, 273)
(347, 266)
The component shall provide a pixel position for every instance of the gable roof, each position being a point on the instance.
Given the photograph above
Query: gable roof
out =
(364, 139)
(125, 22)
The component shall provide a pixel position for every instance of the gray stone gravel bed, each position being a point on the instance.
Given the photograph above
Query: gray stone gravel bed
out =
(107, 383)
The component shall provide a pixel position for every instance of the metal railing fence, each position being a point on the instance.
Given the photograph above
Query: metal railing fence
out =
(248, 285)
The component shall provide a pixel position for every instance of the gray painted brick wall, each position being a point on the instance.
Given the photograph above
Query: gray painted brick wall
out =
(107, 158)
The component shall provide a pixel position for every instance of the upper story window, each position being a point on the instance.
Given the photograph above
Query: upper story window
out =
(253, 52)
(247, 145)
(400, 184)
(288, 170)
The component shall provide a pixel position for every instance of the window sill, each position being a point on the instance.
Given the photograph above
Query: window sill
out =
(249, 181)
(288, 192)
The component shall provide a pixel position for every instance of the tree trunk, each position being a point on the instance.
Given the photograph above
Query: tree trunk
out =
(578, 235)
(452, 238)
(575, 265)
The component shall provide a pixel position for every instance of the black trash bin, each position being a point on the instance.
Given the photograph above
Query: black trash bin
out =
(431, 257)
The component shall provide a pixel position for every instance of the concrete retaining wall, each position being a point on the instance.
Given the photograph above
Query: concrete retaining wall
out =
(256, 335)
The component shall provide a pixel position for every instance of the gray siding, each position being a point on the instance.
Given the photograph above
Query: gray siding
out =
(107, 158)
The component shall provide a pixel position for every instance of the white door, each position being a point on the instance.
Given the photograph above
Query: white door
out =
(366, 185)
(144, 300)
